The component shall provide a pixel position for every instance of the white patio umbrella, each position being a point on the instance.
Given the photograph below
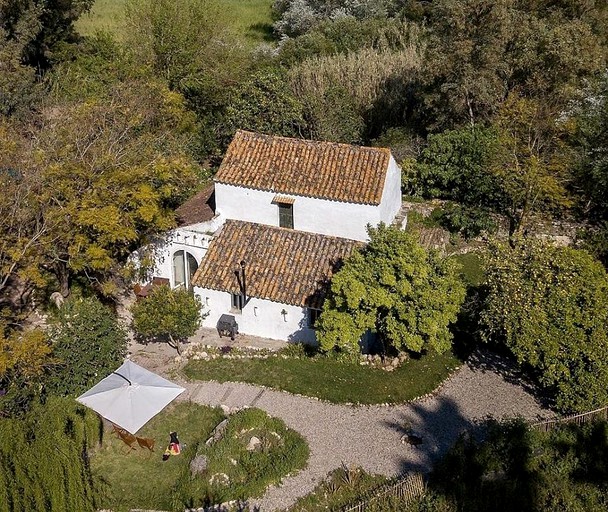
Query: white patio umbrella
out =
(130, 396)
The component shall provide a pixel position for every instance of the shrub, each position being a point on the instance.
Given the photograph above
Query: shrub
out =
(88, 344)
(467, 221)
(549, 306)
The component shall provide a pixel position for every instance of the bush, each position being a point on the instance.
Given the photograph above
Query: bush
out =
(167, 315)
(516, 469)
(549, 306)
(467, 221)
(88, 344)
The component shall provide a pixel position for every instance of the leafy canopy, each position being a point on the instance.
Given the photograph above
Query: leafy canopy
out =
(88, 344)
(549, 306)
(167, 313)
(394, 287)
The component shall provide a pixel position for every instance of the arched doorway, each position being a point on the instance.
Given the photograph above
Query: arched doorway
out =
(184, 267)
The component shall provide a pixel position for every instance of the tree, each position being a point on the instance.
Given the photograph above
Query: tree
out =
(88, 344)
(166, 313)
(25, 358)
(393, 286)
(483, 50)
(50, 26)
(95, 180)
(456, 165)
(186, 42)
(44, 459)
(532, 167)
(549, 306)
(265, 104)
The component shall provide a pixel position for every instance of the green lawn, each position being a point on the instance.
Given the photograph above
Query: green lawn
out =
(141, 479)
(250, 18)
(331, 380)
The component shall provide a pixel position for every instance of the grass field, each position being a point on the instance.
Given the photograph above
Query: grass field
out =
(331, 380)
(249, 18)
(141, 479)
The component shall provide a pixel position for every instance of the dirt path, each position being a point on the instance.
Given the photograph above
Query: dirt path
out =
(370, 436)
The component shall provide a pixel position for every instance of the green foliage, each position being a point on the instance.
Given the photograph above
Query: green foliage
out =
(167, 313)
(265, 104)
(396, 288)
(456, 165)
(88, 344)
(516, 469)
(589, 138)
(296, 17)
(25, 356)
(76, 212)
(364, 88)
(345, 35)
(334, 493)
(549, 306)
(141, 480)
(467, 221)
(282, 451)
(481, 52)
(43, 459)
(41, 28)
(532, 166)
(344, 382)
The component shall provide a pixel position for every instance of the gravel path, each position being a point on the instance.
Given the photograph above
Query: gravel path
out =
(369, 436)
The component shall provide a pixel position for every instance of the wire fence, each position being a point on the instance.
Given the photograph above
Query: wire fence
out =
(407, 489)
(578, 419)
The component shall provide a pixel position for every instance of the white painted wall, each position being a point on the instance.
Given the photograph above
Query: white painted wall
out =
(185, 239)
(334, 218)
(259, 317)
(391, 194)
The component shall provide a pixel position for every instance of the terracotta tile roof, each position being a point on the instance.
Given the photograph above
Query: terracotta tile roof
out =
(326, 170)
(199, 208)
(282, 265)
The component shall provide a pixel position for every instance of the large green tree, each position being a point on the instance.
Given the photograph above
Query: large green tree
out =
(481, 50)
(88, 344)
(549, 306)
(42, 28)
(91, 182)
(532, 166)
(394, 287)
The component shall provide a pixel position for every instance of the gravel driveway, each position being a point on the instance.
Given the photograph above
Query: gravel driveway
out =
(369, 436)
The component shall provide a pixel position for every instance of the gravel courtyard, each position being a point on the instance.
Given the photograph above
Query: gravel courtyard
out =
(370, 436)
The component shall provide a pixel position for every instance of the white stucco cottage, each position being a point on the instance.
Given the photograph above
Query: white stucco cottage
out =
(263, 244)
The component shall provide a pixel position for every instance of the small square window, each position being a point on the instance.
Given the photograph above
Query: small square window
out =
(313, 316)
(238, 302)
(286, 215)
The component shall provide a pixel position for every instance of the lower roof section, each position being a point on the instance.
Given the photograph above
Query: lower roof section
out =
(280, 264)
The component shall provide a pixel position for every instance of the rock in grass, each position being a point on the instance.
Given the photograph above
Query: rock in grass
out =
(254, 444)
(218, 432)
(199, 464)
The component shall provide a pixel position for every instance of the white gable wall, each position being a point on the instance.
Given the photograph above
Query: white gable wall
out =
(333, 218)
(391, 193)
(259, 317)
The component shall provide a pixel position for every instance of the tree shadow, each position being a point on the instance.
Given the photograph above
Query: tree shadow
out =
(505, 365)
(439, 423)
